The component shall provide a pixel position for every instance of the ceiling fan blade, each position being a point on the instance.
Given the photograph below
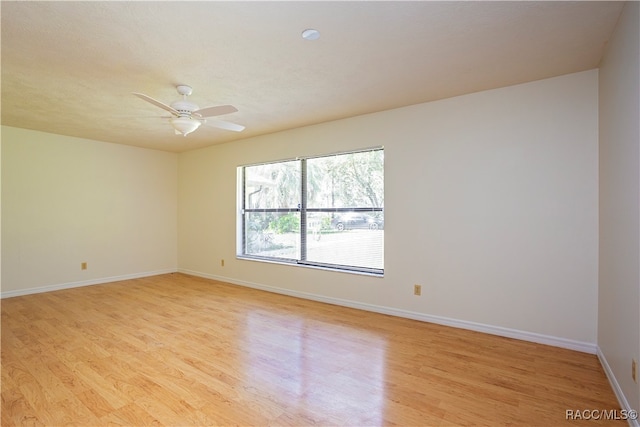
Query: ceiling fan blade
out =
(215, 111)
(224, 125)
(156, 103)
(227, 126)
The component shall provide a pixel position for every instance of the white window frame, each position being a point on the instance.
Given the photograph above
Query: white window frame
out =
(302, 208)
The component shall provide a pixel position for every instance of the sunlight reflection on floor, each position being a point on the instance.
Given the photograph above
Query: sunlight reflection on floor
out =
(297, 364)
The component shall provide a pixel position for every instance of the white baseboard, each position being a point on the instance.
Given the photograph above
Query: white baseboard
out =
(462, 324)
(99, 281)
(622, 400)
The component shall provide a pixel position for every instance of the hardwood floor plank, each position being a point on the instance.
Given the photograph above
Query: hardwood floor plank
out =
(16, 410)
(181, 350)
(130, 415)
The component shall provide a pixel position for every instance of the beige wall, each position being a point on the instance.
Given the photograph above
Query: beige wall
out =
(491, 205)
(67, 200)
(619, 282)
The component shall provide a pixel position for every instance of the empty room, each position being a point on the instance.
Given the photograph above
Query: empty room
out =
(320, 213)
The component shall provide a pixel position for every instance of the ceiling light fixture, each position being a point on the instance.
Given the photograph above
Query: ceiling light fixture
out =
(185, 125)
(311, 34)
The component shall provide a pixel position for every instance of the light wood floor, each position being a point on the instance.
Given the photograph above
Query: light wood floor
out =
(179, 350)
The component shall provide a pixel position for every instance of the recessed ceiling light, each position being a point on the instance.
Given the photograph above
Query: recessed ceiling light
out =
(311, 34)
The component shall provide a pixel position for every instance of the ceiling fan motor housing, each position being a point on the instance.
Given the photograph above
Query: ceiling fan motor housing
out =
(184, 107)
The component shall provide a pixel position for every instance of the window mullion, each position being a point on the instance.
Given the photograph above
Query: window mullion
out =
(303, 210)
(243, 212)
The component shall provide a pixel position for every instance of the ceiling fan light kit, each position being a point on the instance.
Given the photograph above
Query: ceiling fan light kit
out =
(187, 116)
(185, 125)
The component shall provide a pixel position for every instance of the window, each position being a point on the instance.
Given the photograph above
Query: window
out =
(320, 211)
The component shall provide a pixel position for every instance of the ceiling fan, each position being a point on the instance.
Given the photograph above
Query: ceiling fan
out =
(187, 116)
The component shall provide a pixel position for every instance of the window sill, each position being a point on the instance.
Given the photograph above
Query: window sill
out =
(294, 263)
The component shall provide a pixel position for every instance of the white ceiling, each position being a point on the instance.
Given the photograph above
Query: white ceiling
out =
(70, 67)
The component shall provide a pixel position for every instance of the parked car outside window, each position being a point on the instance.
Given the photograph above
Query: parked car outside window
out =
(352, 220)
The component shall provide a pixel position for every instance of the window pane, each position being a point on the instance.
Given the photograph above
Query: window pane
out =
(343, 207)
(275, 185)
(349, 238)
(346, 180)
(271, 234)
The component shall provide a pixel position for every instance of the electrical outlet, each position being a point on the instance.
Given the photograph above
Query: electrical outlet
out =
(83, 266)
(222, 263)
(634, 370)
(417, 290)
